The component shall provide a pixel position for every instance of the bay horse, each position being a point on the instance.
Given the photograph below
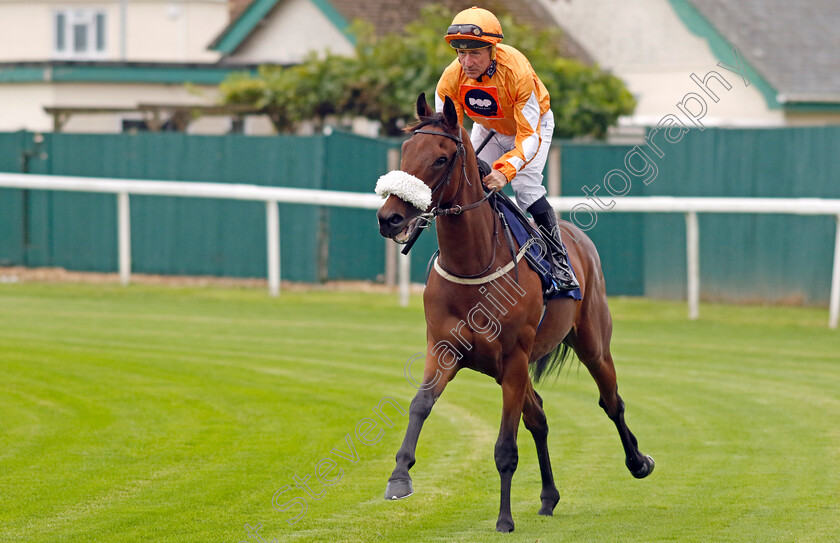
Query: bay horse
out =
(492, 321)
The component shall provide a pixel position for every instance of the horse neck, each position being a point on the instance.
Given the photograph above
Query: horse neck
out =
(466, 240)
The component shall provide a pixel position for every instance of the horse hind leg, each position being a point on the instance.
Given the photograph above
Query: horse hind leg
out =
(591, 342)
(603, 371)
(535, 421)
(640, 465)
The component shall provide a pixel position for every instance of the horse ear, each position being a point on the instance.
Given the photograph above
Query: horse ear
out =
(423, 109)
(449, 113)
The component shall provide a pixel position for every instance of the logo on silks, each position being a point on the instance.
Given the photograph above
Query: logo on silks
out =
(481, 101)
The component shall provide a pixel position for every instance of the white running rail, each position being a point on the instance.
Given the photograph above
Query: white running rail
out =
(689, 206)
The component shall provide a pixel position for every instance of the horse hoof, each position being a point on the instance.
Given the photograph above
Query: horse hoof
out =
(645, 469)
(504, 526)
(548, 505)
(398, 489)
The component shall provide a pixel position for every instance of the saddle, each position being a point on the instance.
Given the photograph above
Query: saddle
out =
(518, 227)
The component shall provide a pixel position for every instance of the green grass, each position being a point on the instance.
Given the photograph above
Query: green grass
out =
(163, 414)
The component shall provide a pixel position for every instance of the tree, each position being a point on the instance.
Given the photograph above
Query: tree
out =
(388, 72)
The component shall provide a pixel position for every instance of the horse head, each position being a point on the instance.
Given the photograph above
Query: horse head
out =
(427, 174)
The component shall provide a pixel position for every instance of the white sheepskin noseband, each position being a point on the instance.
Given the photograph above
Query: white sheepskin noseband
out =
(406, 187)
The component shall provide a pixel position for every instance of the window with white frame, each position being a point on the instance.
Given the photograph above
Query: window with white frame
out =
(79, 34)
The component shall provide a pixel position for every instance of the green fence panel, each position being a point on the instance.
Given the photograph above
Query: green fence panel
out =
(11, 202)
(747, 257)
(356, 250)
(743, 257)
(11, 227)
(619, 237)
(354, 163)
(193, 236)
(37, 205)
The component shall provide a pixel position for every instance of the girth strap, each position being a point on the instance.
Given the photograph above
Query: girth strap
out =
(487, 278)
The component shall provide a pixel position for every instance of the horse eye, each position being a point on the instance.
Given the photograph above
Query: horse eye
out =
(440, 161)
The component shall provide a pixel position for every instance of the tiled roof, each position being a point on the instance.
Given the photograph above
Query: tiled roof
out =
(794, 45)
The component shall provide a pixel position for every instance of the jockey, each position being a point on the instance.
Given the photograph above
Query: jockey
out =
(498, 89)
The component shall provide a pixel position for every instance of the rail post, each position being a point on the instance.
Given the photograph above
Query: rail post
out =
(405, 278)
(834, 297)
(272, 221)
(124, 237)
(692, 236)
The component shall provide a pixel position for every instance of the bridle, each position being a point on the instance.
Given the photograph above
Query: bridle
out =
(425, 219)
(461, 151)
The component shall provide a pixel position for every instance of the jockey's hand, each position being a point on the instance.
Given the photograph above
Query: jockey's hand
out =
(495, 180)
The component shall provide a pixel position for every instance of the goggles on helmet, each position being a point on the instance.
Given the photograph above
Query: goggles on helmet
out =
(470, 30)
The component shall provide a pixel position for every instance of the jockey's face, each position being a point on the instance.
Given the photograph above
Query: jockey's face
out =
(474, 61)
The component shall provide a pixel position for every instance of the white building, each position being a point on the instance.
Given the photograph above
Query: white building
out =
(107, 55)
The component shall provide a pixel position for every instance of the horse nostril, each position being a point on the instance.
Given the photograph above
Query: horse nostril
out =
(390, 223)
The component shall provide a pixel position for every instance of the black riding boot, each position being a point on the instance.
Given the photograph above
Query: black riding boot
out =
(546, 220)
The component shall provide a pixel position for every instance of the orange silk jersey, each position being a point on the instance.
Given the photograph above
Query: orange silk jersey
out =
(510, 102)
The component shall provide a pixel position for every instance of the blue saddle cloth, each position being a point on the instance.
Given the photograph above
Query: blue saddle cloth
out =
(537, 254)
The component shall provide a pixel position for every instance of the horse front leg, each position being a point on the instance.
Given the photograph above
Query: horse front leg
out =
(435, 380)
(514, 383)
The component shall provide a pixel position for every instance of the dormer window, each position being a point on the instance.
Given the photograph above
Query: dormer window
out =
(79, 34)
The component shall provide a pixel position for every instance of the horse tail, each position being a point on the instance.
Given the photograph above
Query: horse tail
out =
(551, 362)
